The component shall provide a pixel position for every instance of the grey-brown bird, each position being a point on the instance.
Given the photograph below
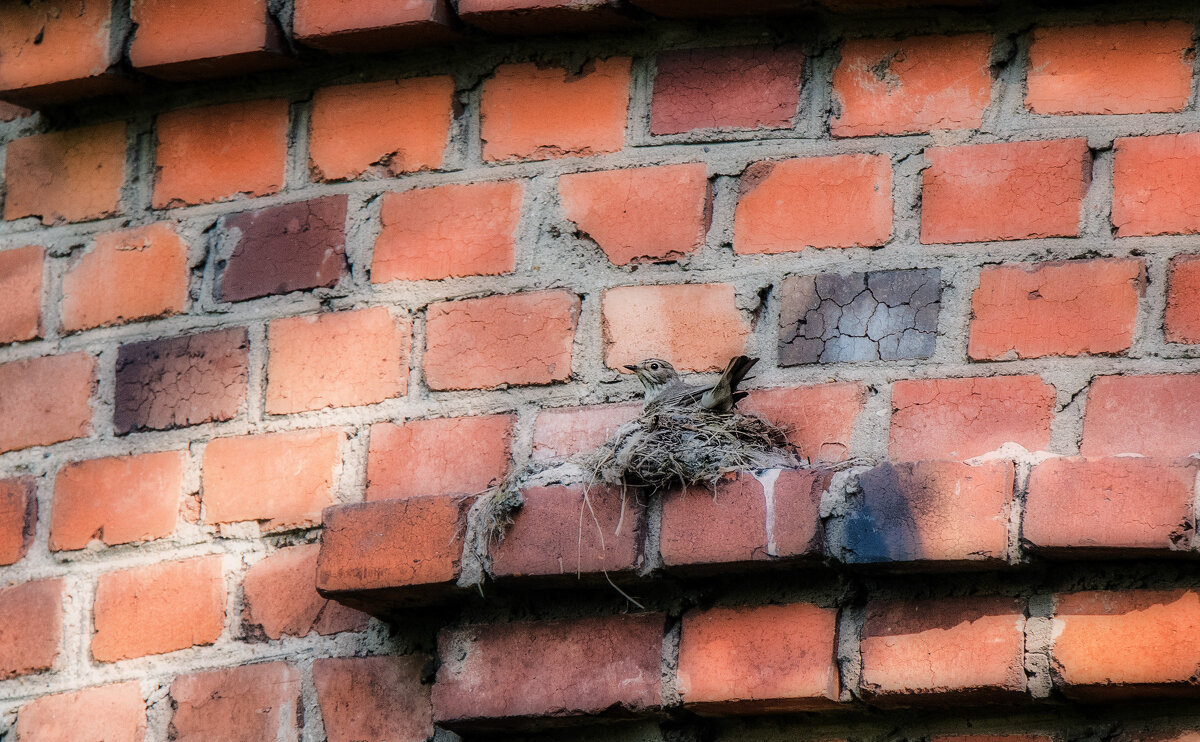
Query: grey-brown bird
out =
(664, 386)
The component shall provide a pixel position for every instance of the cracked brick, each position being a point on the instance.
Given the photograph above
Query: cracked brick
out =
(109, 712)
(257, 701)
(372, 25)
(46, 400)
(18, 518)
(180, 40)
(66, 176)
(374, 698)
(21, 287)
(1153, 415)
(425, 457)
(1182, 322)
(818, 420)
(281, 598)
(559, 433)
(697, 327)
(1156, 185)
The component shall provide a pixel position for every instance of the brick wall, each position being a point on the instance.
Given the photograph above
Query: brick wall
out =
(285, 284)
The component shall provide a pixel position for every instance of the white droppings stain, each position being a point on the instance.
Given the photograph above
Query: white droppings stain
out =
(767, 479)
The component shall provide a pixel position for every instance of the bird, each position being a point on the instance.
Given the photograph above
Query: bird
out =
(665, 387)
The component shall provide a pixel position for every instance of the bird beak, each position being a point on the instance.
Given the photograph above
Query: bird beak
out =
(631, 368)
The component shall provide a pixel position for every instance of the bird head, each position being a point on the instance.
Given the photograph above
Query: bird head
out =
(654, 373)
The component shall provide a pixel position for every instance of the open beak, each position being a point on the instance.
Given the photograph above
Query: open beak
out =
(631, 368)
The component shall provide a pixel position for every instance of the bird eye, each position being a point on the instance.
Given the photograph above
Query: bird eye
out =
(653, 366)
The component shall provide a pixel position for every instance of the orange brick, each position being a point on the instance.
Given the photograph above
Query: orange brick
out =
(21, 287)
(32, 616)
(215, 153)
(697, 327)
(1156, 185)
(131, 274)
(10, 112)
(183, 40)
(425, 457)
(570, 430)
(46, 400)
(159, 608)
(1061, 309)
(116, 500)
(18, 518)
(532, 113)
(789, 205)
(381, 129)
(1143, 67)
(338, 359)
(759, 659)
(542, 16)
(447, 231)
(1148, 415)
(1182, 322)
(372, 25)
(66, 176)
(963, 418)
(513, 339)
(116, 713)
(1004, 191)
(649, 214)
(281, 598)
(819, 420)
(374, 698)
(916, 84)
(251, 702)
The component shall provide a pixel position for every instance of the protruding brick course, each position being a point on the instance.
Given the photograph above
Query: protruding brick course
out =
(31, 615)
(374, 698)
(1156, 185)
(426, 457)
(46, 400)
(1149, 415)
(114, 713)
(66, 176)
(696, 327)
(257, 701)
(543, 16)
(281, 598)
(21, 286)
(18, 518)
(1182, 323)
(181, 40)
(373, 25)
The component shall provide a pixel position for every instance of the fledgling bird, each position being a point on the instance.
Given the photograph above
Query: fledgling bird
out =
(665, 387)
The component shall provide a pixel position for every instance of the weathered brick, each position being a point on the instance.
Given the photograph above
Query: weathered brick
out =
(757, 659)
(719, 8)
(66, 176)
(818, 420)
(282, 480)
(1149, 415)
(1077, 504)
(1135, 644)
(1004, 191)
(697, 327)
(10, 112)
(543, 16)
(374, 698)
(380, 129)
(21, 287)
(18, 518)
(281, 598)
(563, 668)
(31, 627)
(448, 231)
(515, 339)
(1142, 67)
(251, 702)
(1182, 322)
(1069, 308)
(1156, 185)
(531, 113)
(113, 713)
(963, 418)
(970, 649)
(1156, 733)
(179, 381)
(285, 248)
(882, 315)
(337, 359)
(158, 608)
(117, 500)
(559, 433)
(46, 400)
(648, 214)
(793, 204)
(934, 512)
(372, 25)
(915, 84)
(426, 457)
(182, 40)
(215, 153)
(130, 274)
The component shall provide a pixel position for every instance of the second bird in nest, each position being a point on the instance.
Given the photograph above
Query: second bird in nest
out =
(665, 387)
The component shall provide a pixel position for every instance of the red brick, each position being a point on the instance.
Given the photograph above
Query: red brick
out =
(281, 598)
(381, 129)
(372, 25)
(648, 214)
(1156, 185)
(1004, 191)
(1115, 503)
(916, 84)
(183, 40)
(1155, 735)
(282, 480)
(1140, 643)
(968, 649)
(758, 659)
(563, 668)
(117, 500)
(10, 112)
(744, 519)
(18, 518)
(533, 113)
(963, 418)
(21, 286)
(1143, 67)
(565, 432)
(749, 87)
(819, 420)
(337, 359)
(515, 339)
(793, 204)
(66, 176)
(1148, 415)
(543, 16)
(425, 457)
(448, 231)
(720, 8)
(158, 608)
(1061, 309)
(114, 713)
(697, 327)
(130, 274)
(374, 698)
(215, 153)
(46, 400)
(239, 704)
(31, 626)
(1182, 323)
